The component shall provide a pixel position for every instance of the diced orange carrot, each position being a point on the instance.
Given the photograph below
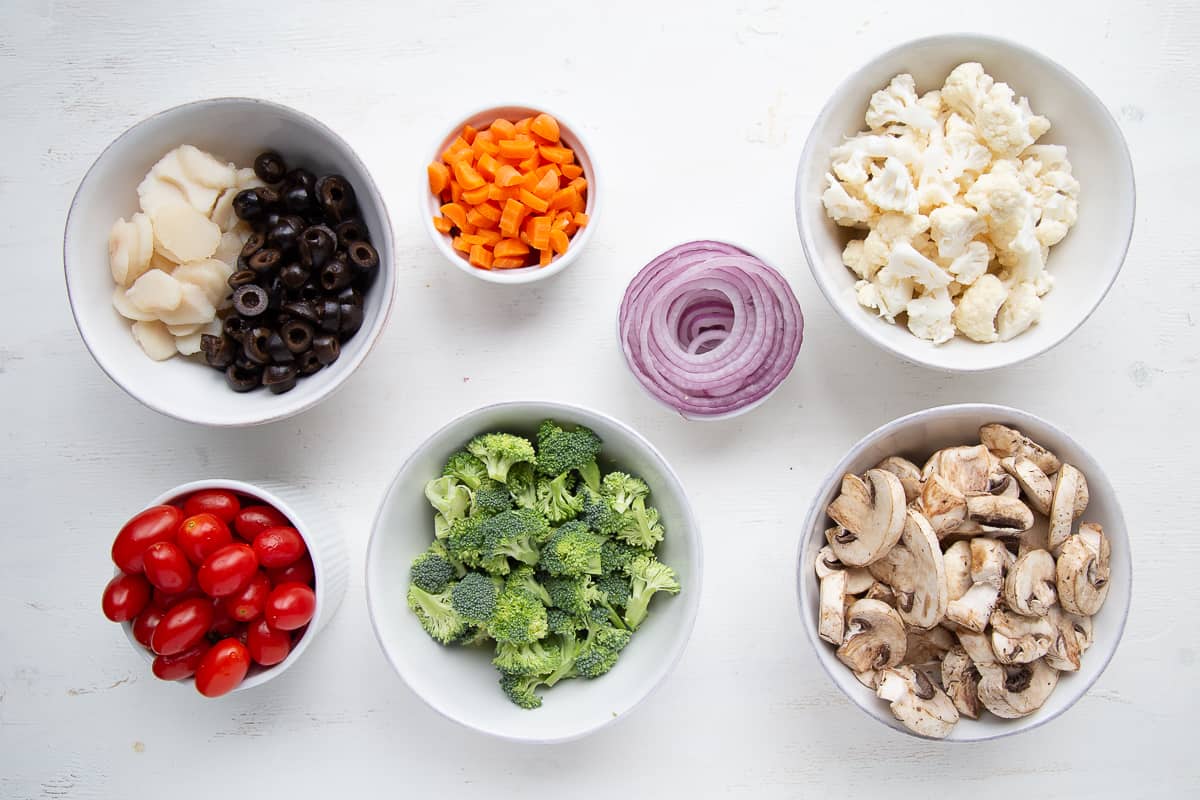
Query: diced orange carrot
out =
(545, 257)
(545, 126)
(485, 142)
(458, 244)
(533, 201)
(581, 219)
(580, 184)
(557, 154)
(510, 219)
(577, 202)
(490, 237)
(510, 262)
(458, 144)
(455, 213)
(507, 175)
(480, 257)
(455, 192)
(538, 229)
(468, 133)
(529, 164)
(479, 220)
(489, 210)
(476, 196)
(486, 166)
(558, 241)
(547, 186)
(502, 129)
(510, 247)
(512, 148)
(563, 198)
(439, 178)
(473, 239)
(572, 171)
(524, 125)
(442, 225)
(467, 177)
(530, 180)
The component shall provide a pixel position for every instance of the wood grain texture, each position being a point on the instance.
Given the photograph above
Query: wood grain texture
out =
(714, 103)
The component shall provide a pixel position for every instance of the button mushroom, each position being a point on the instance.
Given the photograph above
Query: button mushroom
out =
(1017, 639)
(926, 647)
(1032, 481)
(942, 504)
(958, 569)
(978, 646)
(882, 592)
(1083, 571)
(874, 637)
(832, 623)
(973, 610)
(908, 473)
(920, 583)
(858, 579)
(967, 469)
(1008, 442)
(870, 511)
(1066, 649)
(990, 562)
(961, 681)
(1029, 588)
(1015, 690)
(917, 702)
(998, 514)
(1069, 502)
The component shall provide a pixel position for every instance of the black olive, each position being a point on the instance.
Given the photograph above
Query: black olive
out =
(350, 295)
(297, 335)
(279, 378)
(329, 315)
(336, 275)
(312, 291)
(336, 196)
(278, 350)
(352, 230)
(302, 309)
(317, 245)
(269, 167)
(254, 345)
(241, 379)
(299, 199)
(265, 261)
(268, 221)
(218, 350)
(268, 196)
(364, 257)
(308, 363)
(286, 233)
(248, 205)
(276, 292)
(250, 300)
(241, 278)
(235, 327)
(256, 242)
(293, 276)
(327, 349)
(351, 319)
(300, 177)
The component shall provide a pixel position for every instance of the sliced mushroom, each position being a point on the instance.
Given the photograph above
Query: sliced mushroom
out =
(832, 615)
(867, 678)
(1083, 630)
(1036, 538)
(929, 646)
(1033, 482)
(943, 505)
(1017, 639)
(990, 562)
(1000, 515)
(1065, 650)
(858, 580)
(958, 569)
(967, 469)
(1015, 690)
(1030, 586)
(917, 702)
(870, 510)
(874, 637)
(960, 679)
(1008, 442)
(978, 646)
(973, 610)
(881, 592)
(908, 473)
(1070, 489)
(920, 582)
(1083, 571)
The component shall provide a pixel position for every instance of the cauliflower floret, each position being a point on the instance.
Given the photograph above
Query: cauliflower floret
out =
(1022, 309)
(1007, 127)
(898, 105)
(894, 293)
(891, 188)
(889, 229)
(906, 262)
(971, 264)
(1058, 215)
(934, 187)
(1043, 284)
(853, 256)
(1024, 257)
(929, 316)
(841, 207)
(1053, 157)
(965, 89)
(977, 308)
(953, 227)
(997, 195)
(877, 146)
(932, 102)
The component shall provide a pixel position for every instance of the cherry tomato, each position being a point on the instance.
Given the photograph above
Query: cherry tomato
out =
(125, 597)
(201, 535)
(290, 606)
(180, 665)
(164, 600)
(145, 623)
(224, 624)
(182, 627)
(156, 524)
(167, 568)
(279, 547)
(300, 572)
(220, 503)
(249, 602)
(222, 668)
(253, 520)
(228, 570)
(267, 646)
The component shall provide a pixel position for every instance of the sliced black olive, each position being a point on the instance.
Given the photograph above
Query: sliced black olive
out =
(327, 349)
(279, 378)
(317, 245)
(299, 199)
(329, 315)
(364, 257)
(254, 345)
(251, 300)
(268, 196)
(308, 363)
(302, 309)
(350, 295)
(276, 292)
(286, 233)
(336, 275)
(256, 242)
(336, 196)
(241, 278)
(266, 261)
(278, 350)
(218, 350)
(270, 167)
(248, 205)
(300, 177)
(235, 327)
(352, 230)
(312, 291)
(241, 379)
(351, 319)
(297, 335)
(293, 276)
(268, 221)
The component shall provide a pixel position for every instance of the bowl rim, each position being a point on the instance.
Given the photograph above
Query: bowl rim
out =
(522, 275)
(695, 588)
(860, 322)
(267, 497)
(815, 512)
(386, 284)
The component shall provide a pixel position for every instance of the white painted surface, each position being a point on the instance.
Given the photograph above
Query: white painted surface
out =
(713, 107)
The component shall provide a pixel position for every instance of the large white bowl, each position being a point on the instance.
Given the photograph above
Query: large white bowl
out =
(917, 436)
(235, 129)
(460, 682)
(1084, 265)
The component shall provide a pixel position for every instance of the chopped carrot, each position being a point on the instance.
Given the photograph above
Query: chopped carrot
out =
(580, 184)
(512, 148)
(547, 186)
(538, 229)
(442, 224)
(502, 129)
(558, 241)
(487, 166)
(476, 218)
(509, 262)
(468, 134)
(480, 257)
(545, 126)
(439, 178)
(467, 177)
(572, 171)
(524, 125)
(455, 192)
(533, 201)
(510, 247)
(485, 142)
(489, 210)
(490, 237)
(510, 219)
(472, 239)
(476, 196)
(563, 198)
(545, 257)
(507, 175)
(581, 219)
(556, 154)
(459, 143)
(529, 164)
(455, 213)
(458, 244)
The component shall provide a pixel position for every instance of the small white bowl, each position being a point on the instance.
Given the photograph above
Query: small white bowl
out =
(460, 682)
(235, 129)
(430, 204)
(331, 564)
(1084, 265)
(917, 436)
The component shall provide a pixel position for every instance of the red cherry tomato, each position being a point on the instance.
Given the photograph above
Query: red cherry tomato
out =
(223, 625)
(249, 602)
(279, 547)
(220, 503)
(182, 627)
(300, 572)
(125, 597)
(145, 623)
(267, 646)
(222, 668)
(290, 606)
(180, 665)
(201, 535)
(156, 524)
(164, 600)
(228, 570)
(253, 520)
(167, 568)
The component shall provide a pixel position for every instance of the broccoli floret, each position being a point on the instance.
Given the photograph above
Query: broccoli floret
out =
(451, 498)
(490, 498)
(616, 588)
(569, 648)
(522, 485)
(579, 597)
(474, 597)
(472, 636)
(597, 512)
(531, 658)
(615, 555)
(590, 473)
(554, 498)
(441, 526)
(513, 534)
(499, 452)
(436, 614)
(464, 541)
(648, 577)
(572, 550)
(599, 651)
(467, 468)
(622, 489)
(521, 689)
(519, 618)
(523, 579)
(432, 570)
(641, 527)
(560, 621)
(561, 450)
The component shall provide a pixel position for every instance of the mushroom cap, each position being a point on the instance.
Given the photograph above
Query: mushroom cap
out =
(1038, 489)
(968, 469)
(908, 473)
(1030, 588)
(973, 610)
(1082, 573)
(874, 637)
(958, 569)
(1017, 639)
(858, 580)
(1015, 690)
(920, 585)
(944, 506)
(999, 514)
(1008, 442)
(961, 681)
(1066, 649)
(990, 561)
(917, 701)
(870, 511)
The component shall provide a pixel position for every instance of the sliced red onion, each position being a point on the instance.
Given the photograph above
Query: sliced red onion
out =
(709, 329)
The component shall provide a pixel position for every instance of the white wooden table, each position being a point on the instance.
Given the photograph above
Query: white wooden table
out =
(714, 104)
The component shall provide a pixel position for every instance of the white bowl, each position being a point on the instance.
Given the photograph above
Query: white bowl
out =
(430, 204)
(234, 129)
(326, 547)
(917, 436)
(1084, 265)
(461, 683)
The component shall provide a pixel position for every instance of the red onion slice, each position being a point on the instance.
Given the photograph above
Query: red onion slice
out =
(709, 329)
